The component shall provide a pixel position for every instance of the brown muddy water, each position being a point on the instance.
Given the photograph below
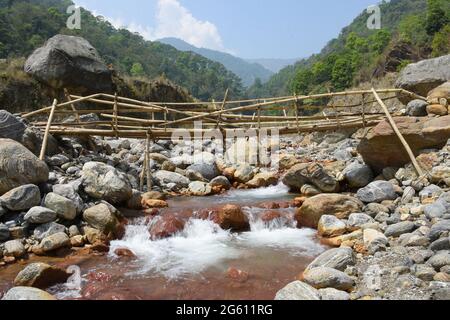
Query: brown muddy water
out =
(201, 263)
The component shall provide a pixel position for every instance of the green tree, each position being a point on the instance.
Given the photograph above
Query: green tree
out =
(137, 70)
(342, 75)
(302, 81)
(379, 40)
(441, 42)
(436, 17)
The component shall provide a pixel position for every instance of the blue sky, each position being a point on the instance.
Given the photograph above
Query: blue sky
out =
(246, 28)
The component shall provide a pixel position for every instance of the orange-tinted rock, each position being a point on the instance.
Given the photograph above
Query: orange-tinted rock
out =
(166, 226)
(152, 203)
(237, 275)
(270, 205)
(381, 148)
(232, 217)
(298, 202)
(229, 173)
(341, 206)
(123, 252)
(270, 216)
(437, 109)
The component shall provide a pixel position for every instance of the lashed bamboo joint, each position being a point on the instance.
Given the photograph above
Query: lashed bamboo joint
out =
(122, 117)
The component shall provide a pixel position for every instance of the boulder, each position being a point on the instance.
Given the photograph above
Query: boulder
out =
(263, 179)
(330, 294)
(54, 242)
(47, 229)
(437, 109)
(27, 293)
(440, 174)
(165, 227)
(19, 166)
(220, 182)
(341, 206)
(70, 62)
(374, 240)
(200, 189)
(40, 215)
(440, 95)
(440, 260)
(438, 229)
(208, 171)
(338, 258)
(330, 226)
(21, 198)
(324, 277)
(377, 191)
(232, 217)
(40, 275)
(244, 173)
(423, 76)
(163, 178)
(417, 108)
(104, 182)
(68, 191)
(358, 220)
(358, 175)
(64, 208)
(11, 127)
(396, 230)
(4, 232)
(381, 147)
(14, 248)
(100, 217)
(307, 173)
(298, 291)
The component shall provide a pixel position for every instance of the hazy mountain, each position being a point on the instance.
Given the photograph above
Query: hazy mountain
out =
(273, 65)
(247, 71)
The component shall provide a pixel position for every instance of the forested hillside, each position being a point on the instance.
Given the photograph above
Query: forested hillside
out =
(27, 24)
(411, 30)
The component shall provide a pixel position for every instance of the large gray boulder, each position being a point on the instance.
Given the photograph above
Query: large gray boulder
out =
(10, 126)
(358, 175)
(423, 76)
(377, 191)
(310, 173)
(19, 166)
(69, 62)
(338, 258)
(298, 291)
(165, 178)
(21, 198)
(104, 182)
(27, 293)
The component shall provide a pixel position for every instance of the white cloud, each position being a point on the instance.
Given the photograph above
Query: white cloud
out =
(174, 20)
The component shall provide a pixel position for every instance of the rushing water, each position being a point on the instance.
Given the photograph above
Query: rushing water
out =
(195, 264)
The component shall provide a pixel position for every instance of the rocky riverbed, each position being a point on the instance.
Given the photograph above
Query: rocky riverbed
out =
(387, 227)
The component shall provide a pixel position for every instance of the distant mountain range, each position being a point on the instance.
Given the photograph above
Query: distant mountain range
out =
(274, 65)
(248, 71)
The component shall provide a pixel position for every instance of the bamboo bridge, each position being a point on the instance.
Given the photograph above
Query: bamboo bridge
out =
(122, 117)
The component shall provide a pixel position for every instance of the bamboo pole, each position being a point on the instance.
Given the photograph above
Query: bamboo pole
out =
(47, 130)
(77, 115)
(222, 107)
(47, 109)
(148, 166)
(399, 134)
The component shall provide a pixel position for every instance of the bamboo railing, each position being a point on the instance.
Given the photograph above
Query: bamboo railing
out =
(130, 118)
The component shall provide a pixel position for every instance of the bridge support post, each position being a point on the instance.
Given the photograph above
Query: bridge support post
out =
(47, 130)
